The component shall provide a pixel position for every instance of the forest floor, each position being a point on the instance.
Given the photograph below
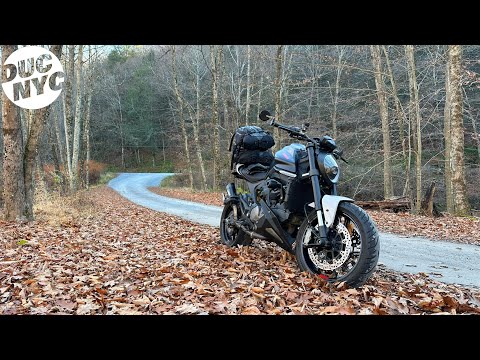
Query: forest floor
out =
(102, 254)
(450, 228)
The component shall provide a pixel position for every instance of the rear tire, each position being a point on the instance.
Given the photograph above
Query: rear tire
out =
(364, 235)
(230, 235)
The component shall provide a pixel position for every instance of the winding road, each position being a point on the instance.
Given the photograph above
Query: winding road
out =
(445, 261)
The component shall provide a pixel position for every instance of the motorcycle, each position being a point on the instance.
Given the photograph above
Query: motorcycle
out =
(293, 202)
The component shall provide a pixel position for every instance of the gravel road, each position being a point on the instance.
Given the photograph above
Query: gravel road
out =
(445, 261)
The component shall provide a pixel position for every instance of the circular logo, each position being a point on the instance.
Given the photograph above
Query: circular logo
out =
(35, 77)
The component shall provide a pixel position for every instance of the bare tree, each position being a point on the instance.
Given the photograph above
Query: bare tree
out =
(416, 120)
(181, 116)
(78, 119)
(400, 115)
(68, 109)
(87, 114)
(448, 142)
(14, 186)
(278, 91)
(382, 102)
(39, 120)
(341, 52)
(196, 118)
(459, 187)
(215, 123)
(20, 160)
(247, 101)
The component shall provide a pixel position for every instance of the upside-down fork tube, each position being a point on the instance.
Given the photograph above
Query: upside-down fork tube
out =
(231, 190)
(317, 194)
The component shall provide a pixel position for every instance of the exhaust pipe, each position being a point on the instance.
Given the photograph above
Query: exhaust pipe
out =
(248, 232)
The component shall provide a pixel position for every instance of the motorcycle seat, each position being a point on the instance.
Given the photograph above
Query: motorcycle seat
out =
(254, 172)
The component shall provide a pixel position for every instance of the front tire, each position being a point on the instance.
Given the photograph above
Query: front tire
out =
(353, 249)
(231, 235)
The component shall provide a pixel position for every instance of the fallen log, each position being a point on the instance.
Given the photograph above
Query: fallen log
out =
(395, 204)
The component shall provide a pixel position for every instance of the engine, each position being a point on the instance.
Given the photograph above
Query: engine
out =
(273, 193)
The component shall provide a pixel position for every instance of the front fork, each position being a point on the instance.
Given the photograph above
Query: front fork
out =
(317, 194)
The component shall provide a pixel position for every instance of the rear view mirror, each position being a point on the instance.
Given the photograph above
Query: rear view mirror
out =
(264, 115)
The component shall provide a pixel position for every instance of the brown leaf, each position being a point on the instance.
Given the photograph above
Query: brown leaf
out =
(87, 308)
(251, 310)
(256, 289)
(450, 301)
(341, 310)
(232, 252)
(187, 309)
(66, 304)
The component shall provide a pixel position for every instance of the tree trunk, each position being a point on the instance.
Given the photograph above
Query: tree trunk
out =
(427, 203)
(260, 93)
(196, 131)
(416, 120)
(58, 136)
(341, 51)
(86, 136)
(382, 102)
(278, 94)
(78, 119)
(67, 144)
(216, 148)
(52, 140)
(399, 114)
(25, 121)
(13, 186)
(476, 135)
(182, 119)
(448, 142)
(69, 84)
(247, 102)
(40, 117)
(459, 186)
(68, 109)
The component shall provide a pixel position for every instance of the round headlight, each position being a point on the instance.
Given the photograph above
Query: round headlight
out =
(331, 168)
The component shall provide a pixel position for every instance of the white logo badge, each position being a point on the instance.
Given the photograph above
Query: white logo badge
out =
(34, 77)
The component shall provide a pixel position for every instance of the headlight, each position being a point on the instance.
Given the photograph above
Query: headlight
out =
(329, 167)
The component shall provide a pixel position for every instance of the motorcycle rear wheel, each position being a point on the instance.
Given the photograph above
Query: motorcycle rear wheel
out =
(352, 257)
(231, 235)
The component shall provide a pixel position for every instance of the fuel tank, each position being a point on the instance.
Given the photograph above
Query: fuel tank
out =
(288, 157)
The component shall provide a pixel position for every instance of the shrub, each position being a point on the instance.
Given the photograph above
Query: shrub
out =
(95, 170)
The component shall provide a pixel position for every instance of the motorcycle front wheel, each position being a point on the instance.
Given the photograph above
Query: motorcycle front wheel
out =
(352, 248)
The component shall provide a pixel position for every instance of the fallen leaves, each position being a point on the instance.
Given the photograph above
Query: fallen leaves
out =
(130, 260)
(204, 197)
(448, 227)
(452, 228)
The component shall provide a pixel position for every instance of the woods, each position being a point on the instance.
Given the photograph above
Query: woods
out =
(404, 115)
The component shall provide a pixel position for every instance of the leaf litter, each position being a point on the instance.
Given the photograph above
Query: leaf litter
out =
(131, 260)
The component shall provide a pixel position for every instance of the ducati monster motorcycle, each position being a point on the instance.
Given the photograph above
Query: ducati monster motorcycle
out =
(292, 201)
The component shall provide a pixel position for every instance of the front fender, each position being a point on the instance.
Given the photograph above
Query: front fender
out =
(330, 205)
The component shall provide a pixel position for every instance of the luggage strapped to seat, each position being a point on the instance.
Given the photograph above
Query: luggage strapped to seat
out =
(251, 145)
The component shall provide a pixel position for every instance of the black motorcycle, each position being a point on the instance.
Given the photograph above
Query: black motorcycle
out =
(293, 202)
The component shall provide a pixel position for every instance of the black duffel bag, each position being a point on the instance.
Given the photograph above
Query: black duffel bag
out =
(248, 157)
(250, 144)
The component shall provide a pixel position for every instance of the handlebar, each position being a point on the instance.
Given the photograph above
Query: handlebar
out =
(293, 131)
(325, 142)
